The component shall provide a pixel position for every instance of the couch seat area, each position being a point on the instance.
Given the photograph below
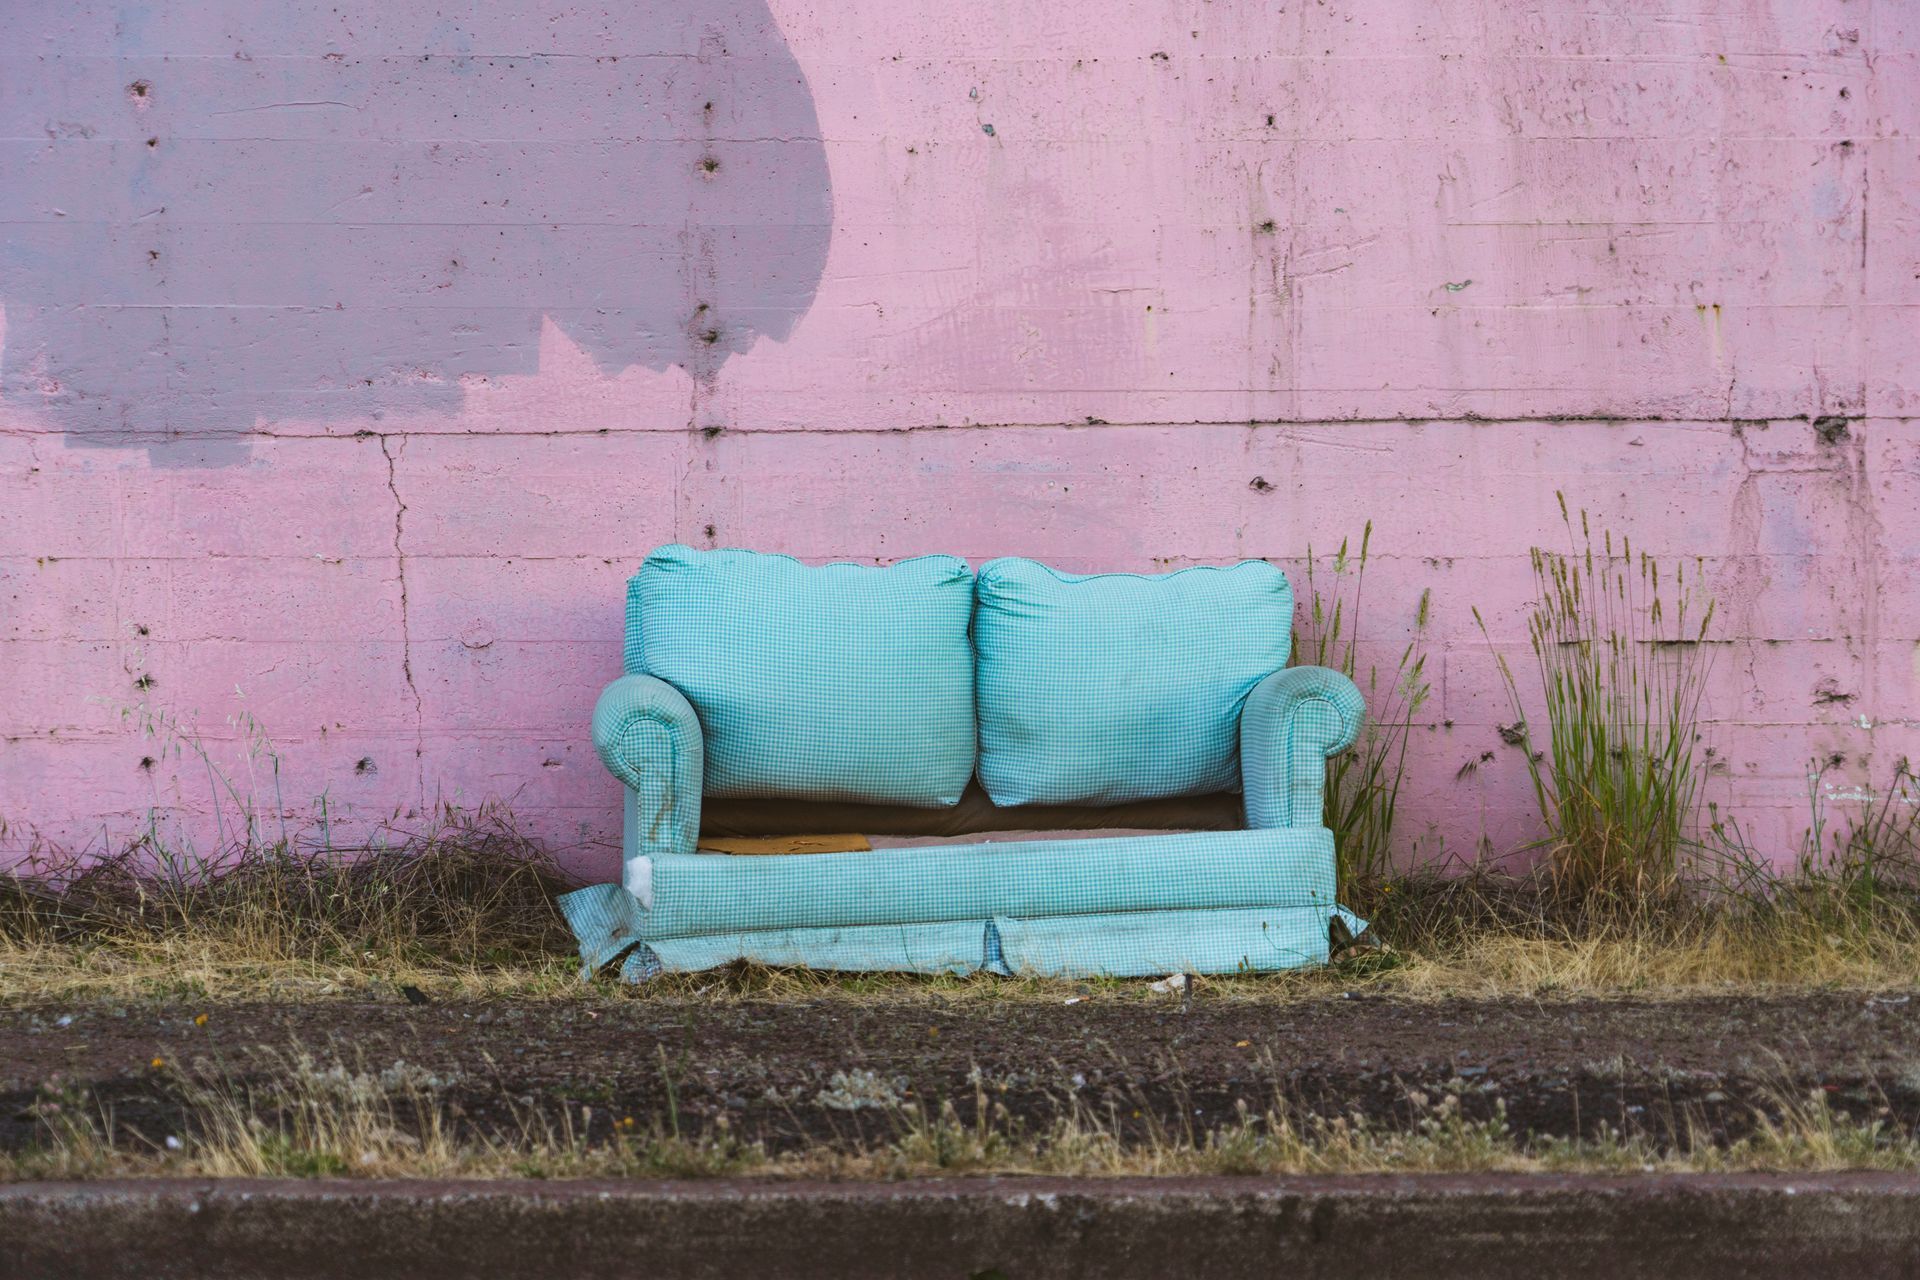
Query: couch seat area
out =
(1079, 903)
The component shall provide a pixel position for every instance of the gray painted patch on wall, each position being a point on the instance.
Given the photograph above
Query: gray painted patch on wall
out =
(218, 216)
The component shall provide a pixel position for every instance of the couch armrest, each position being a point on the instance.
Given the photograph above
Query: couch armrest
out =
(1293, 721)
(649, 737)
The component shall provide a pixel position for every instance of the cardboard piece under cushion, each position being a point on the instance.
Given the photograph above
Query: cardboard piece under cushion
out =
(974, 814)
(785, 844)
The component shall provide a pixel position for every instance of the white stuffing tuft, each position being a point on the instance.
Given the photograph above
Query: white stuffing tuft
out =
(639, 880)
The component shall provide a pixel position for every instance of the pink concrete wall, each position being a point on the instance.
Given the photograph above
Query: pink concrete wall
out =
(352, 359)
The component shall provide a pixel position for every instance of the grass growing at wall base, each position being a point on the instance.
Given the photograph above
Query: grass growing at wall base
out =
(1617, 641)
(465, 904)
(466, 897)
(466, 907)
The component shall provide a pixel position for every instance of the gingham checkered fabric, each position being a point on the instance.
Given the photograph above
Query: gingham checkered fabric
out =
(1121, 945)
(648, 736)
(836, 682)
(719, 893)
(1110, 687)
(1293, 721)
(1204, 902)
(1116, 907)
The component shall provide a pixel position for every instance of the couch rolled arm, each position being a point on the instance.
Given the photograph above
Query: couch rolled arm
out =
(648, 736)
(1293, 722)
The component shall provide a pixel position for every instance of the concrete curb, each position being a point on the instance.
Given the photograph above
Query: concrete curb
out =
(1858, 1225)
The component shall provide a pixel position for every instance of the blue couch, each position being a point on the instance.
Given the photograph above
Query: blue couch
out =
(904, 689)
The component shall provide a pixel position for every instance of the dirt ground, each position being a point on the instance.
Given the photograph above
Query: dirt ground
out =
(791, 1072)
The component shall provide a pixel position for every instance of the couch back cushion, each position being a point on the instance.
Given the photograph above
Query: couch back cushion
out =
(837, 682)
(1113, 687)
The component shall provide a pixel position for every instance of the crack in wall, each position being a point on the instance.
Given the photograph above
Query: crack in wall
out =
(406, 636)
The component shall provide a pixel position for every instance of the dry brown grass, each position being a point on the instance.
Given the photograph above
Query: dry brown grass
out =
(466, 909)
(466, 905)
(1486, 934)
(1631, 896)
(328, 1120)
(1646, 958)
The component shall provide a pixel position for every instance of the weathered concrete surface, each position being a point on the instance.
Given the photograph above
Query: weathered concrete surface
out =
(353, 354)
(1860, 1225)
(267, 215)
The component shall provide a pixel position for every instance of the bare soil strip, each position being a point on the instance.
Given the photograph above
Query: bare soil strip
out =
(804, 1074)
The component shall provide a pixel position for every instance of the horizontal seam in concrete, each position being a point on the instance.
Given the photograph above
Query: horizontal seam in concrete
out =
(1409, 420)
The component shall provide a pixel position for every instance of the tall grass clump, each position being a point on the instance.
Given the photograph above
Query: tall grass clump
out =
(1363, 783)
(1619, 643)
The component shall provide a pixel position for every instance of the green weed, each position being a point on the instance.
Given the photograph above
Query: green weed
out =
(1363, 782)
(1619, 641)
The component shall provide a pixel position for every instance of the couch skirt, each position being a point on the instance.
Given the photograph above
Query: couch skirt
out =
(1128, 906)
